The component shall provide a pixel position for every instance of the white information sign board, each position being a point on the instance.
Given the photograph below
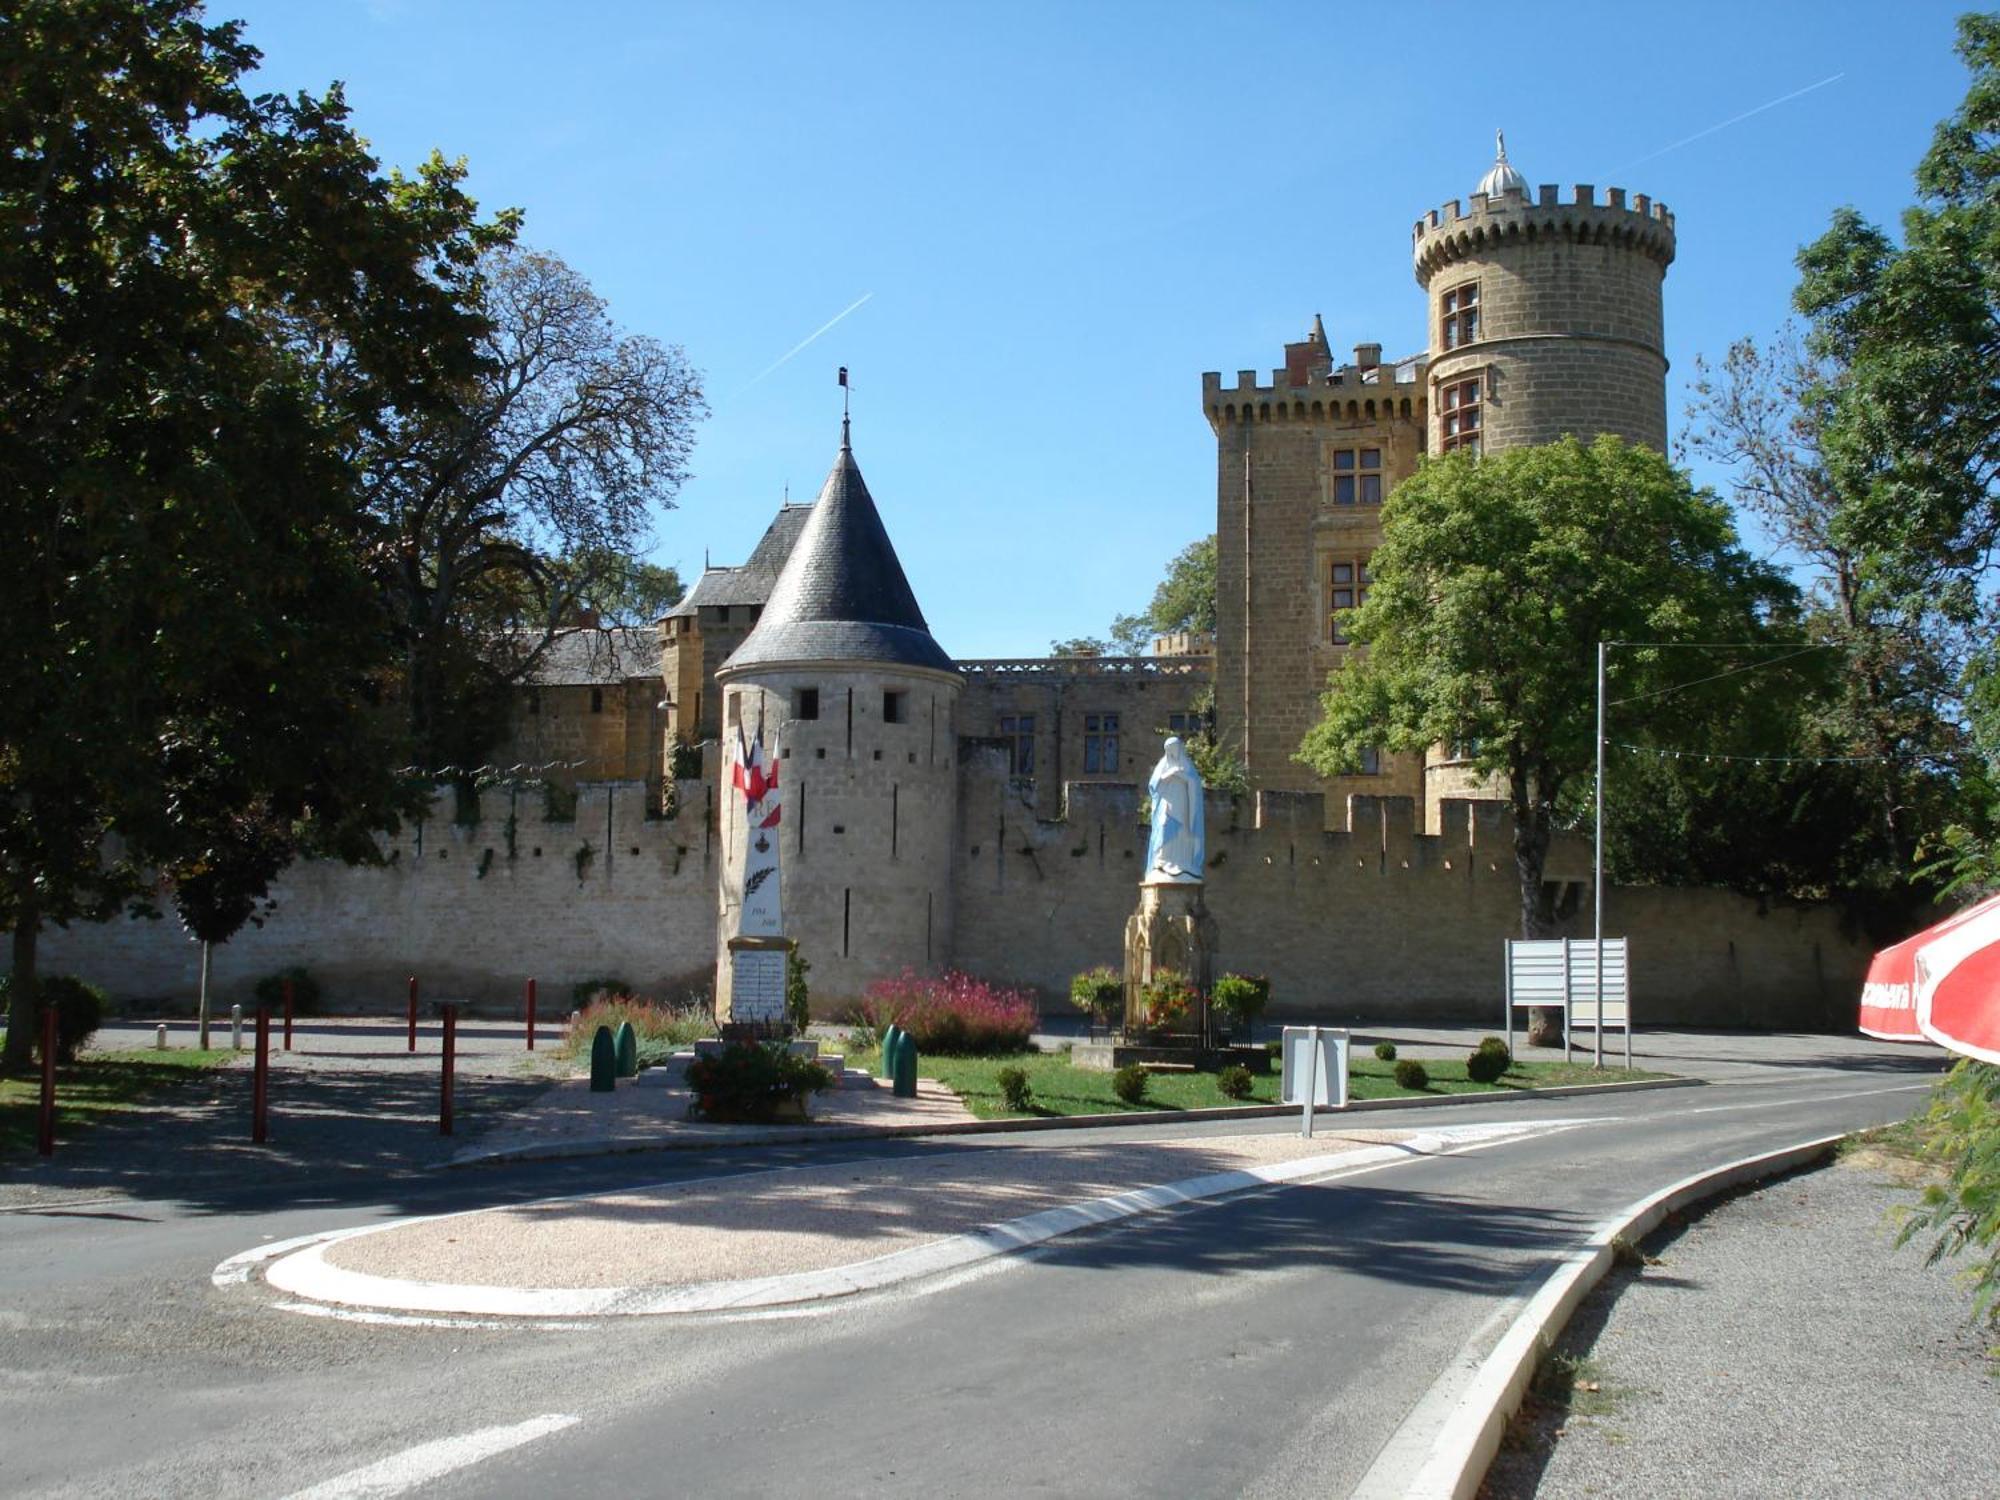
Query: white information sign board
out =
(1564, 973)
(1314, 1071)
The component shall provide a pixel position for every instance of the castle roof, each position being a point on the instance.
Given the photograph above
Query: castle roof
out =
(752, 581)
(596, 656)
(842, 595)
(1502, 176)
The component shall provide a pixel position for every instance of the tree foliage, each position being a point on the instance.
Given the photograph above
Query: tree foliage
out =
(508, 514)
(1912, 426)
(1495, 580)
(207, 302)
(1184, 601)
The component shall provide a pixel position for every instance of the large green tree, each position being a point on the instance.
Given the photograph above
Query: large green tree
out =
(1912, 426)
(208, 302)
(1495, 581)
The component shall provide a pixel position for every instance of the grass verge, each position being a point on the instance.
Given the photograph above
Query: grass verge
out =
(100, 1084)
(1060, 1089)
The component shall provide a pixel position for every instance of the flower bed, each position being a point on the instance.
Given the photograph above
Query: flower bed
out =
(952, 1013)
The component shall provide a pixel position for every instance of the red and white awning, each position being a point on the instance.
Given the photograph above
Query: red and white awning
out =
(1943, 985)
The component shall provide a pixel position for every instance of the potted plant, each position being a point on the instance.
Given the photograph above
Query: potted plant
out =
(1168, 996)
(1100, 993)
(1242, 997)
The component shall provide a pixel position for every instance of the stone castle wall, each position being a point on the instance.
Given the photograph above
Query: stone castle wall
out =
(1380, 922)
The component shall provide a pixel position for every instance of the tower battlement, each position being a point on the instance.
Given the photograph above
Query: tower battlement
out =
(1446, 234)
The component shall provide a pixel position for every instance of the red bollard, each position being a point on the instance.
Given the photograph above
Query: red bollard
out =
(450, 1010)
(288, 1015)
(45, 1135)
(531, 1015)
(260, 1087)
(413, 1012)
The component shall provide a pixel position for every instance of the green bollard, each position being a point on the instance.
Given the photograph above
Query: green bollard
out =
(889, 1036)
(627, 1043)
(905, 1085)
(603, 1062)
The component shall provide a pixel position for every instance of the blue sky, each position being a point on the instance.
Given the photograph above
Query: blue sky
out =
(1061, 215)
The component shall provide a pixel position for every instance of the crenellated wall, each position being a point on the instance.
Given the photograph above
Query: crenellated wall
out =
(1378, 922)
(472, 909)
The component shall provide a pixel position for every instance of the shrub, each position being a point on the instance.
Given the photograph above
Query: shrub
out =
(1410, 1074)
(79, 1011)
(953, 1015)
(1233, 1082)
(798, 995)
(1015, 1089)
(1242, 996)
(1485, 1065)
(1963, 1138)
(655, 1026)
(749, 1080)
(1097, 990)
(1129, 1083)
(1493, 1046)
(1168, 996)
(1386, 1051)
(305, 991)
(588, 992)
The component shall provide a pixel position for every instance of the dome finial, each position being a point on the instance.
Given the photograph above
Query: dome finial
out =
(1501, 177)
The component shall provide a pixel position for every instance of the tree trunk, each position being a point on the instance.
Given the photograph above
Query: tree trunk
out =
(1531, 853)
(23, 992)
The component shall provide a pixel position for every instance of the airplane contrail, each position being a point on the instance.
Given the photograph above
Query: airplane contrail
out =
(1736, 120)
(802, 343)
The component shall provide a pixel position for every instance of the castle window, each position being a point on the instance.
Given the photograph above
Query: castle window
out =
(1018, 730)
(597, 700)
(1183, 724)
(805, 704)
(534, 703)
(722, 614)
(1371, 761)
(1458, 422)
(1100, 742)
(1459, 310)
(1347, 581)
(892, 707)
(1357, 476)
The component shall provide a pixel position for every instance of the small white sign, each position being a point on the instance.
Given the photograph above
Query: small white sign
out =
(1315, 1064)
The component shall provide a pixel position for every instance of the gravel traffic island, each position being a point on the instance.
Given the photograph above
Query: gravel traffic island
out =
(801, 1234)
(1779, 1345)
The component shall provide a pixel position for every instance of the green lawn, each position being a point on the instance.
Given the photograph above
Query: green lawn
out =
(98, 1084)
(1064, 1090)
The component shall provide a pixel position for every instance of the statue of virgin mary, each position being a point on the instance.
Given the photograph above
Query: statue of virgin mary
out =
(1176, 847)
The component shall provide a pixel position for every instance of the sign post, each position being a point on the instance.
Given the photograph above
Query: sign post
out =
(531, 1015)
(413, 1012)
(260, 1088)
(450, 1009)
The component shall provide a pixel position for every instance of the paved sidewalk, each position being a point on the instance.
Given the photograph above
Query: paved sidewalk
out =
(1780, 1347)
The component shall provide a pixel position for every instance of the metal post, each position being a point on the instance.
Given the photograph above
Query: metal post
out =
(1507, 1020)
(203, 1006)
(260, 1088)
(1312, 1081)
(288, 1015)
(450, 1055)
(1565, 999)
(1597, 871)
(531, 1015)
(235, 1028)
(413, 1012)
(45, 1132)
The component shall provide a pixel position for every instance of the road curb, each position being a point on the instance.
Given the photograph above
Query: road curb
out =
(787, 1135)
(1433, 1457)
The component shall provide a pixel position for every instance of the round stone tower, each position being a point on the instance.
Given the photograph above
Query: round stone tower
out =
(1544, 315)
(854, 702)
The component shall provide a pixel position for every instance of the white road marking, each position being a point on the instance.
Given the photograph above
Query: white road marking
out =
(427, 1461)
(407, 1320)
(1727, 1109)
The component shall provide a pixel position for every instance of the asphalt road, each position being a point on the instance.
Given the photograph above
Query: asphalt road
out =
(1267, 1344)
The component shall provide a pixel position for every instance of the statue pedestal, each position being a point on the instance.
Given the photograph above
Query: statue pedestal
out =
(1171, 930)
(751, 983)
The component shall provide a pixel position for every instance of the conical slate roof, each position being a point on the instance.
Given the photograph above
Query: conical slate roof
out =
(842, 595)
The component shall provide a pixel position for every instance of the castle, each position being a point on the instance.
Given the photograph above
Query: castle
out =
(983, 814)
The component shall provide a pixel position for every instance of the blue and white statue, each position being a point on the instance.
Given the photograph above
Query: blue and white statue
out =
(1177, 846)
